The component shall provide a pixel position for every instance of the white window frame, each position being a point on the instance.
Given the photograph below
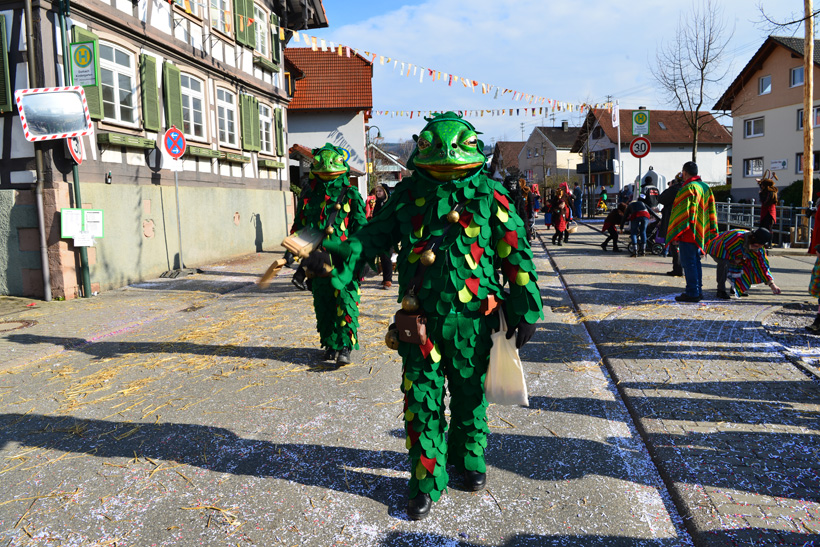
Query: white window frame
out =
(118, 70)
(798, 162)
(223, 108)
(223, 23)
(188, 96)
(764, 89)
(750, 128)
(816, 113)
(267, 137)
(792, 73)
(749, 170)
(192, 5)
(260, 21)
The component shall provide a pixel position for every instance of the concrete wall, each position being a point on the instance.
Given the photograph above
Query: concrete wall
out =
(344, 129)
(141, 236)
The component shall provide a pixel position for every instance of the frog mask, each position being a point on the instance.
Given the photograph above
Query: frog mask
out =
(447, 148)
(329, 162)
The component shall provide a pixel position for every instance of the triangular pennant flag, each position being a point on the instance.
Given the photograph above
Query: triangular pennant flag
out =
(313, 43)
(295, 36)
(281, 34)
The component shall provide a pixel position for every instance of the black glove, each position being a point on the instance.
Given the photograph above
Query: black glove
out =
(523, 332)
(317, 263)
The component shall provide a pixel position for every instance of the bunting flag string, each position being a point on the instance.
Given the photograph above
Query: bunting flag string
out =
(407, 69)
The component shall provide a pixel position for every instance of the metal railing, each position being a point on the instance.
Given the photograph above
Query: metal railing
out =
(786, 230)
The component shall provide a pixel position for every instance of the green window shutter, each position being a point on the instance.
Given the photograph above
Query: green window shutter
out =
(244, 116)
(245, 33)
(172, 95)
(256, 128)
(150, 97)
(275, 45)
(280, 133)
(6, 103)
(93, 93)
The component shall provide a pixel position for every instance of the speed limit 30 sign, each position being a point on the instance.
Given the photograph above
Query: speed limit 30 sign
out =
(639, 147)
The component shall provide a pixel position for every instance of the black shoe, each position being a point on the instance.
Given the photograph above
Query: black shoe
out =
(686, 298)
(344, 357)
(603, 246)
(723, 295)
(674, 273)
(419, 507)
(300, 284)
(474, 481)
(330, 355)
(633, 254)
(560, 244)
(641, 252)
(814, 328)
(616, 250)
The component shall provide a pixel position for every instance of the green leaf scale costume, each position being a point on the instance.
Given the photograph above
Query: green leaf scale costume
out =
(489, 236)
(337, 308)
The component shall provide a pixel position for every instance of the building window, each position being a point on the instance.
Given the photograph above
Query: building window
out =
(193, 101)
(190, 6)
(816, 121)
(798, 163)
(753, 167)
(529, 153)
(796, 77)
(598, 132)
(119, 84)
(221, 16)
(226, 117)
(260, 22)
(753, 128)
(266, 129)
(764, 85)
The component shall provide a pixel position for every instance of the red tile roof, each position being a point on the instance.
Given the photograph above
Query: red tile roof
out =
(331, 81)
(665, 127)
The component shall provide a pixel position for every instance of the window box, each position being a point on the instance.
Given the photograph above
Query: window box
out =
(265, 63)
(121, 139)
(271, 164)
(202, 152)
(236, 158)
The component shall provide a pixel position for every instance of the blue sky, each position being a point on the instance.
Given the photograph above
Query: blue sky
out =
(544, 48)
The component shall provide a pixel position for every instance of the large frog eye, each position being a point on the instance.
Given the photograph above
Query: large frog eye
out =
(339, 159)
(425, 141)
(470, 141)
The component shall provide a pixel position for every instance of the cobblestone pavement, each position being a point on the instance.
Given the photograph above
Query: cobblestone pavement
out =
(729, 410)
(195, 411)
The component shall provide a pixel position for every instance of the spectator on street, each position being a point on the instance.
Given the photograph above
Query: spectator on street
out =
(666, 200)
(577, 195)
(692, 224)
(814, 281)
(382, 194)
(768, 200)
(741, 257)
(560, 220)
(637, 214)
(611, 224)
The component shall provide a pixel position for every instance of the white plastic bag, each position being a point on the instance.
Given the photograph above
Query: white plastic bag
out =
(505, 383)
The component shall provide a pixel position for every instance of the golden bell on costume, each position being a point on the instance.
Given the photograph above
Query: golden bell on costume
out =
(391, 339)
(428, 257)
(410, 303)
(453, 217)
(329, 230)
(338, 206)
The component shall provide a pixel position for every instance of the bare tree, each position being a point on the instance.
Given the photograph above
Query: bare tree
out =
(690, 66)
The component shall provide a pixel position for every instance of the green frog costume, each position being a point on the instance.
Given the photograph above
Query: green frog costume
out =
(331, 205)
(455, 228)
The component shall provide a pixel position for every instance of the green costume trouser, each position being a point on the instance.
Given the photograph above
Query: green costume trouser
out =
(462, 361)
(337, 314)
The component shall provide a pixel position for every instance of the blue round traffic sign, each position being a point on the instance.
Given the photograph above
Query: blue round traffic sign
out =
(174, 142)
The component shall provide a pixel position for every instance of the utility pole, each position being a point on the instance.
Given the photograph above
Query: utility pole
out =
(522, 131)
(808, 117)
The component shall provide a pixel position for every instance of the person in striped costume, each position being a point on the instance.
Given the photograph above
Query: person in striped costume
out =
(814, 283)
(741, 257)
(692, 224)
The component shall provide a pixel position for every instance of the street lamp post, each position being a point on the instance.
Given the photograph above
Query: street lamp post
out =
(369, 156)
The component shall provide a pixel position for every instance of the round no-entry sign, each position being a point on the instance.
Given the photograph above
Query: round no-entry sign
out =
(639, 147)
(174, 142)
(75, 148)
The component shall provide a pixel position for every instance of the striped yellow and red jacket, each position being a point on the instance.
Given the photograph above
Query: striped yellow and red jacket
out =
(693, 214)
(753, 266)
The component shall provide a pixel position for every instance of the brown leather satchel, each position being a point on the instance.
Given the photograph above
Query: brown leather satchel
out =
(412, 327)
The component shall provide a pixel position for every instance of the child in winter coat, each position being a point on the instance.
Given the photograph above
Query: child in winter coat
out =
(611, 223)
(560, 221)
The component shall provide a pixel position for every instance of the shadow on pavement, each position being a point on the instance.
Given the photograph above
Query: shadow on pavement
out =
(422, 539)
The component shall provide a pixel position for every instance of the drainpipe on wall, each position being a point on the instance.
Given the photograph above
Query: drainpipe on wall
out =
(38, 158)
